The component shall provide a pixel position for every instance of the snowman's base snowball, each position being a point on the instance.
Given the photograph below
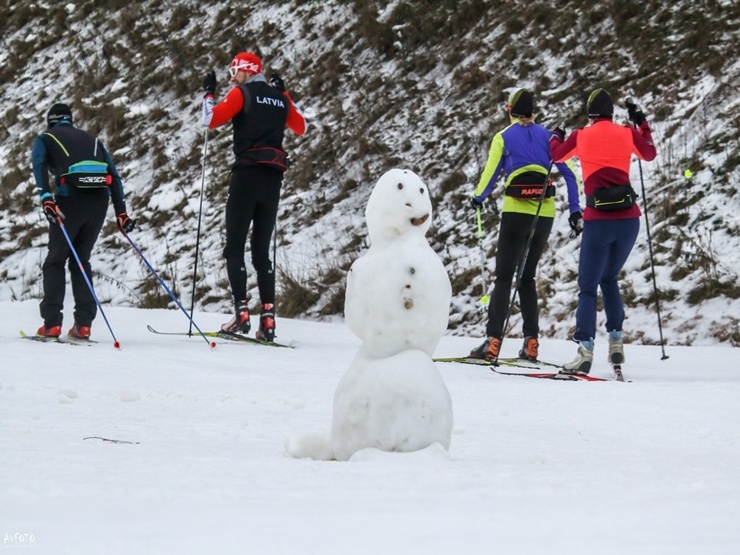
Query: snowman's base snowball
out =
(316, 446)
(429, 455)
(399, 403)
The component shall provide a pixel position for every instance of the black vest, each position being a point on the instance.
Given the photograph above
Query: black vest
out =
(261, 122)
(67, 145)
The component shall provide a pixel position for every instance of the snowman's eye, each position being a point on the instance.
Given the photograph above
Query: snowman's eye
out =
(421, 190)
(400, 186)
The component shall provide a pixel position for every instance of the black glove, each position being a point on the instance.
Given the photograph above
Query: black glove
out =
(125, 224)
(277, 82)
(559, 132)
(576, 223)
(51, 211)
(209, 83)
(476, 204)
(634, 114)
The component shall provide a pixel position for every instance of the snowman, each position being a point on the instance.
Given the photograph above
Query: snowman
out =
(392, 397)
(398, 293)
(397, 302)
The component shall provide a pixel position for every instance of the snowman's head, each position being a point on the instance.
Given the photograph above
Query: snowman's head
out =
(399, 204)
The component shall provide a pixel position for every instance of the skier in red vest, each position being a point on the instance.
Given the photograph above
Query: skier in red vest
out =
(260, 112)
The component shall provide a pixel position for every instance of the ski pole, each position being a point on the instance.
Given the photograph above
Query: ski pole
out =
(212, 344)
(484, 298)
(197, 235)
(116, 344)
(652, 265)
(630, 107)
(523, 260)
(274, 252)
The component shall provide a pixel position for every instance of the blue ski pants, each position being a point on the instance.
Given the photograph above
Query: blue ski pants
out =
(605, 246)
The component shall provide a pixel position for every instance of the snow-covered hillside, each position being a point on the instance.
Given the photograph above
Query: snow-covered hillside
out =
(408, 84)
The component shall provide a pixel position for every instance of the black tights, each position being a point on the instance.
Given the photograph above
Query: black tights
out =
(254, 195)
(512, 240)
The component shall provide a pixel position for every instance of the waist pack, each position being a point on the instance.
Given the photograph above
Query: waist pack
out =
(88, 174)
(265, 156)
(529, 185)
(529, 190)
(607, 199)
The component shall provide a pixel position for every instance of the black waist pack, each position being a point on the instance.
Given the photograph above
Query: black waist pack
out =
(265, 156)
(529, 191)
(607, 199)
(528, 185)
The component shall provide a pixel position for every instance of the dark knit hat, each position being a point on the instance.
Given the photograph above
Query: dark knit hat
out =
(57, 113)
(600, 104)
(521, 104)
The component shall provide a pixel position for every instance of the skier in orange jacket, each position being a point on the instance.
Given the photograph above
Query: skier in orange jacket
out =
(610, 220)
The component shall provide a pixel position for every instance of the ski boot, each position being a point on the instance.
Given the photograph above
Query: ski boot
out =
(581, 365)
(79, 332)
(267, 323)
(530, 349)
(488, 350)
(240, 322)
(616, 354)
(50, 331)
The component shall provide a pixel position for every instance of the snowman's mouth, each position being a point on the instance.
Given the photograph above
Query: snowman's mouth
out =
(419, 221)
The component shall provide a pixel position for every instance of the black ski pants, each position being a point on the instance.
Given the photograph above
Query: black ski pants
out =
(512, 240)
(254, 196)
(84, 217)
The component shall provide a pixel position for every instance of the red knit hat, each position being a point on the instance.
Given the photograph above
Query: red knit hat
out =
(246, 61)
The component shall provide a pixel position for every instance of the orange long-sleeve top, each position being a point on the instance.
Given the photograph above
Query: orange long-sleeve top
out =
(605, 151)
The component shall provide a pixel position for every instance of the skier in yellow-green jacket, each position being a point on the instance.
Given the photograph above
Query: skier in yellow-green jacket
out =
(521, 154)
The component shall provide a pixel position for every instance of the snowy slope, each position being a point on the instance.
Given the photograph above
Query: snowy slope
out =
(406, 84)
(535, 466)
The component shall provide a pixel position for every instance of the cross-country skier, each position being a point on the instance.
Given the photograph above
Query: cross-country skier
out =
(521, 154)
(611, 218)
(85, 178)
(260, 112)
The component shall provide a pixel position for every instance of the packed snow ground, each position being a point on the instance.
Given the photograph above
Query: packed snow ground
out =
(535, 466)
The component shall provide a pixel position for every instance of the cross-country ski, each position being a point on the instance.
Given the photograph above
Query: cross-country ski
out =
(66, 340)
(236, 337)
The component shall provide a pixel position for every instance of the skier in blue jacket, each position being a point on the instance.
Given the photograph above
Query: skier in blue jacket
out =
(520, 154)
